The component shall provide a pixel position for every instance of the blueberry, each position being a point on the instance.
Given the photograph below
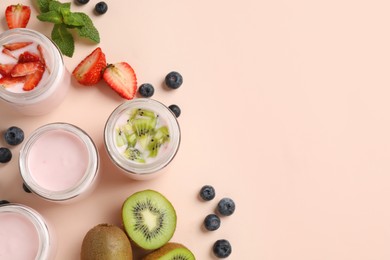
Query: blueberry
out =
(222, 248)
(173, 80)
(82, 2)
(3, 202)
(5, 155)
(14, 135)
(26, 189)
(226, 206)
(207, 192)
(175, 109)
(146, 90)
(212, 222)
(101, 8)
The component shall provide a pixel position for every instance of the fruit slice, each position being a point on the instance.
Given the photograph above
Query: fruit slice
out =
(16, 45)
(8, 53)
(107, 242)
(149, 219)
(171, 251)
(121, 78)
(28, 57)
(158, 139)
(17, 16)
(8, 81)
(33, 79)
(89, 71)
(134, 155)
(5, 69)
(23, 69)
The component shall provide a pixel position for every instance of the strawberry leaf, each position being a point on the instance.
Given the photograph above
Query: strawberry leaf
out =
(51, 17)
(88, 30)
(64, 39)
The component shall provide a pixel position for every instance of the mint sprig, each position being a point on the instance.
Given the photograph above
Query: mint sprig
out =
(64, 20)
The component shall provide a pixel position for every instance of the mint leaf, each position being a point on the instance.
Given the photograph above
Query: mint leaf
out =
(88, 30)
(64, 39)
(57, 6)
(71, 18)
(50, 16)
(43, 5)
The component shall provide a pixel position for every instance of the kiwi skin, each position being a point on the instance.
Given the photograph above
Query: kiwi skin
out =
(106, 242)
(170, 246)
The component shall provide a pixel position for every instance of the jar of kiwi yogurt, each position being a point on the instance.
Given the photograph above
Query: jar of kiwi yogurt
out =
(142, 136)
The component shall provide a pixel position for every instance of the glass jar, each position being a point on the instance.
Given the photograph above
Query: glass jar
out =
(122, 121)
(55, 81)
(59, 162)
(24, 234)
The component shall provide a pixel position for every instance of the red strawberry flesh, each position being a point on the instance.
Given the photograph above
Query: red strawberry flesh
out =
(89, 71)
(8, 53)
(23, 69)
(5, 69)
(17, 16)
(8, 81)
(32, 80)
(121, 78)
(28, 57)
(16, 45)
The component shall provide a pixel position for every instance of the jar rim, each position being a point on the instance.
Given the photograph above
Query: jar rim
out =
(39, 223)
(134, 168)
(82, 185)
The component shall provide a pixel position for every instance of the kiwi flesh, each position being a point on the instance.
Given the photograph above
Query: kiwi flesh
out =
(149, 219)
(171, 251)
(106, 242)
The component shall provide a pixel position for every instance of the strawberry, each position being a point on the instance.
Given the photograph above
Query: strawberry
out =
(23, 69)
(9, 81)
(28, 57)
(16, 45)
(17, 16)
(121, 78)
(8, 53)
(89, 71)
(5, 69)
(33, 79)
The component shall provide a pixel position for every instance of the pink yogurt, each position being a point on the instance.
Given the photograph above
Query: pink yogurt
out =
(59, 162)
(18, 237)
(24, 234)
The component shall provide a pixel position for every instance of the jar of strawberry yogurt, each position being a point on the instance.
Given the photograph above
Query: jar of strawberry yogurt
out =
(33, 77)
(59, 162)
(24, 234)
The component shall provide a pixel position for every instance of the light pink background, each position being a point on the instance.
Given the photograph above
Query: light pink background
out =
(285, 109)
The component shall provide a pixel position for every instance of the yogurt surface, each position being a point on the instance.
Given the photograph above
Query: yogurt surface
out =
(19, 238)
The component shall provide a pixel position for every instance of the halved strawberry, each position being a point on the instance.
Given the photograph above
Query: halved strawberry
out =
(17, 16)
(33, 79)
(5, 69)
(121, 78)
(8, 81)
(8, 53)
(23, 69)
(16, 45)
(28, 57)
(89, 71)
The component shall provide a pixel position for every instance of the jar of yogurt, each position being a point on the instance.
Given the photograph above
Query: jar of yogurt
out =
(59, 162)
(33, 77)
(142, 136)
(24, 234)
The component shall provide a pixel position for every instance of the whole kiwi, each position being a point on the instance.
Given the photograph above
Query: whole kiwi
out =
(106, 242)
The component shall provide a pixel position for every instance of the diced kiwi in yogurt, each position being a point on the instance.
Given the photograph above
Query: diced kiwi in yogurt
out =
(142, 135)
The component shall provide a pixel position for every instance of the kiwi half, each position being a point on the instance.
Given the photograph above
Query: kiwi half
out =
(171, 251)
(149, 219)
